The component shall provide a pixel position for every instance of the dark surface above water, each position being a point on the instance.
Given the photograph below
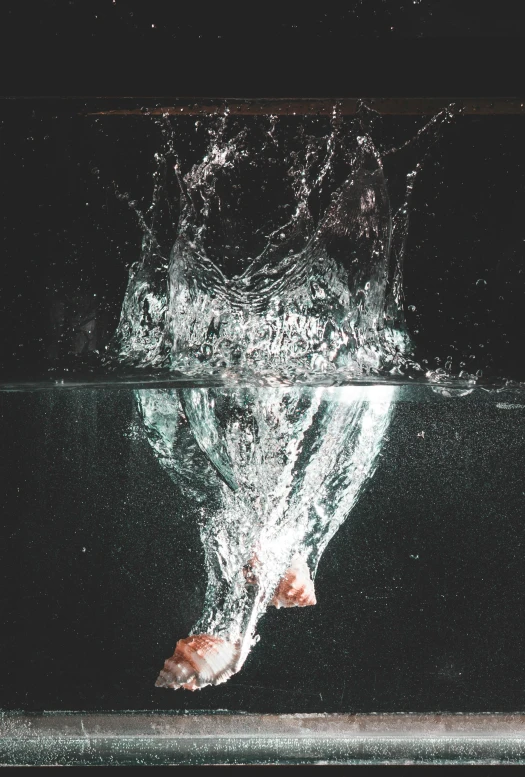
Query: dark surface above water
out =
(420, 593)
(431, 47)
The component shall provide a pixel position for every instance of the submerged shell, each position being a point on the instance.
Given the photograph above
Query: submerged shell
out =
(199, 660)
(296, 588)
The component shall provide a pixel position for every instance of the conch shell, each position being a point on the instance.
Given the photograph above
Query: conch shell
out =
(198, 661)
(296, 587)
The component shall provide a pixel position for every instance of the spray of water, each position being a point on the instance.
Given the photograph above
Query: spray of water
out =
(284, 280)
(286, 263)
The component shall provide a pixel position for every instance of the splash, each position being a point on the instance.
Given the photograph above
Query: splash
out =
(286, 265)
(285, 272)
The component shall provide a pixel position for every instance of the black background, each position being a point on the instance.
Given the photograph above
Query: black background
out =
(160, 48)
(68, 241)
(65, 237)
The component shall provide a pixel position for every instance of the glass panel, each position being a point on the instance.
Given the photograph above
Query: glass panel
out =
(185, 478)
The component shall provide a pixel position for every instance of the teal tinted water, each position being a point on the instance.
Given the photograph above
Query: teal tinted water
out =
(419, 592)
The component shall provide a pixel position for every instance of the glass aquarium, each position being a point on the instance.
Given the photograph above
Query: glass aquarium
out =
(262, 404)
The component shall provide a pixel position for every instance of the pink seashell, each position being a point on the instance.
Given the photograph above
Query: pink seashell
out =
(296, 588)
(199, 660)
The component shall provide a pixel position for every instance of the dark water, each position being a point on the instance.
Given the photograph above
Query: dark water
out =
(420, 593)
(101, 565)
